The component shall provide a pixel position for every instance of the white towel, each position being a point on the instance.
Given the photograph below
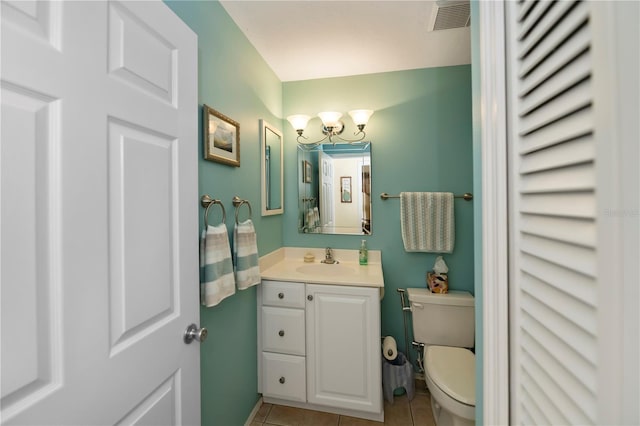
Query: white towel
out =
(216, 269)
(245, 255)
(427, 221)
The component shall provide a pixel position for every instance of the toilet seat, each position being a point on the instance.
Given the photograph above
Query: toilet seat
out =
(452, 370)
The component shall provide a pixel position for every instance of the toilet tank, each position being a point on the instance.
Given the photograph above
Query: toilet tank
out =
(442, 319)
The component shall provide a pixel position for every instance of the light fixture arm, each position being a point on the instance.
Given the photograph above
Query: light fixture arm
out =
(302, 140)
(360, 132)
(332, 136)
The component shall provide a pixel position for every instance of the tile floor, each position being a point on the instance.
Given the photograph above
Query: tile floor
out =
(401, 413)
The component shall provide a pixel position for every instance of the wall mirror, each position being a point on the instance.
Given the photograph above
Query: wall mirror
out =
(334, 188)
(271, 169)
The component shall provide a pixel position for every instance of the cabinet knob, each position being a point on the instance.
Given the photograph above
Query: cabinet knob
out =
(281, 333)
(310, 297)
(280, 295)
(281, 380)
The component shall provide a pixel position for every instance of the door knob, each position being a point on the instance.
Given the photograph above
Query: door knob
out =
(281, 333)
(282, 380)
(280, 295)
(194, 333)
(310, 297)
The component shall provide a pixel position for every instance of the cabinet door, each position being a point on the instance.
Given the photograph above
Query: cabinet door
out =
(343, 347)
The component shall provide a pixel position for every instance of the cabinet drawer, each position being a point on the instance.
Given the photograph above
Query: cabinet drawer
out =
(283, 376)
(283, 330)
(286, 294)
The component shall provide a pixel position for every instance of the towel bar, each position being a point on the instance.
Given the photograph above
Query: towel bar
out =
(467, 196)
(206, 201)
(238, 202)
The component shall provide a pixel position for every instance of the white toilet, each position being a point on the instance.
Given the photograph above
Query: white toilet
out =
(445, 324)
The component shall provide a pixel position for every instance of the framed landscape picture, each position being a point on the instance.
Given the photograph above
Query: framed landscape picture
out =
(221, 137)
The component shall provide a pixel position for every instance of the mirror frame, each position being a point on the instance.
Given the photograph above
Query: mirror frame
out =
(365, 147)
(264, 128)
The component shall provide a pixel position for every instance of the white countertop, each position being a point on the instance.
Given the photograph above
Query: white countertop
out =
(283, 263)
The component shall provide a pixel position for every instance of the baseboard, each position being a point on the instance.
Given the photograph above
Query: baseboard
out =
(253, 412)
(377, 417)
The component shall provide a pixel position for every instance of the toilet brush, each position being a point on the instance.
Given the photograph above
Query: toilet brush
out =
(405, 309)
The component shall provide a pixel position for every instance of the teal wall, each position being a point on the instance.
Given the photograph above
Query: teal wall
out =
(233, 79)
(421, 139)
(477, 208)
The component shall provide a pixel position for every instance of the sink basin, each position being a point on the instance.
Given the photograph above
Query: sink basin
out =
(325, 270)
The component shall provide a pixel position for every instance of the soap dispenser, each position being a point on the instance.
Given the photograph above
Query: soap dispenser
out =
(364, 253)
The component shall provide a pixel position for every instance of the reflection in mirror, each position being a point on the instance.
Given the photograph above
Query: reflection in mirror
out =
(272, 172)
(334, 188)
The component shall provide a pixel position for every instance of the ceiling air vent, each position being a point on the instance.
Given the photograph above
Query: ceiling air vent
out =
(449, 14)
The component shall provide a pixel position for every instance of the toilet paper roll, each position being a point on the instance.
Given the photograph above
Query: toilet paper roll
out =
(389, 348)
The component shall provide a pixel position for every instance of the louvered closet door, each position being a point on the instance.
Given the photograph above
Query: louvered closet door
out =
(553, 249)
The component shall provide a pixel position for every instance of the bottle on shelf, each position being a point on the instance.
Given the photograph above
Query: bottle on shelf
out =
(364, 253)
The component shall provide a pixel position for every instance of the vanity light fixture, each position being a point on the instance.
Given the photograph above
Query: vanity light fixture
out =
(332, 126)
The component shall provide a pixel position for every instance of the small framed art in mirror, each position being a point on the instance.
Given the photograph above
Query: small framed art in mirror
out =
(221, 137)
(307, 172)
(345, 189)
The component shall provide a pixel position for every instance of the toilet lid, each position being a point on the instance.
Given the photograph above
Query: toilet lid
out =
(453, 371)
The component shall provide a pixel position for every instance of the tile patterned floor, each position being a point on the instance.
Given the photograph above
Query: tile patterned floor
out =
(401, 413)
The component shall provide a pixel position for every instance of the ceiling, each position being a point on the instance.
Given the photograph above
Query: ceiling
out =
(310, 39)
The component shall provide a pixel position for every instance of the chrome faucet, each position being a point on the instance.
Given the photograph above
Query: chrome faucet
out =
(328, 257)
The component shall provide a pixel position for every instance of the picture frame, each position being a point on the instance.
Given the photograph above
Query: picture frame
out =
(307, 172)
(221, 137)
(345, 189)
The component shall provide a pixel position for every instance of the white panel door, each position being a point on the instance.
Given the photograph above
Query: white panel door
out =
(343, 347)
(99, 214)
(327, 197)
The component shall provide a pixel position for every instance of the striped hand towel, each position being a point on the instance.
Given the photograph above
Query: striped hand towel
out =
(426, 219)
(216, 270)
(245, 255)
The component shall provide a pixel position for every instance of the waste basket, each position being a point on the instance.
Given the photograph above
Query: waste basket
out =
(397, 374)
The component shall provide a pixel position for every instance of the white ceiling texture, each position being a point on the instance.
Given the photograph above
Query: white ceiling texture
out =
(310, 39)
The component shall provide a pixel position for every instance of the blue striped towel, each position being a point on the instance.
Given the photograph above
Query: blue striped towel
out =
(216, 270)
(427, 221)
(245, 255)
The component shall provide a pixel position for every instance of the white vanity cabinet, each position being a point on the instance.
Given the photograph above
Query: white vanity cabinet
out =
(340, 353)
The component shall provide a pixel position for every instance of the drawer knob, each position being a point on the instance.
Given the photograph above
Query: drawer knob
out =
(280, 295)
(310, 297)
(281, 333)
(281, 380)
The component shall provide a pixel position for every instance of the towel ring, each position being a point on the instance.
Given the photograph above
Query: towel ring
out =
(238, 202)
(206, 201)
